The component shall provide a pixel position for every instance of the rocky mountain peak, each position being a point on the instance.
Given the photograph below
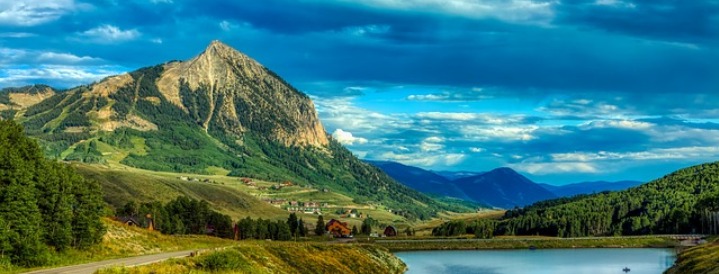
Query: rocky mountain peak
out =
(241, 95)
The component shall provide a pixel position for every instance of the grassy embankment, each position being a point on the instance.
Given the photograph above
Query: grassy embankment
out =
(525, 242)
(125, 241)
(279, 257)
(703, 259)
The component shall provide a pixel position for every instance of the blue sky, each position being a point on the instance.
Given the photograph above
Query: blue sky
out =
(562, 91)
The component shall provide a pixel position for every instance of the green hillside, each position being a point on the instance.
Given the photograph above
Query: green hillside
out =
(219, 113)
(675, 203)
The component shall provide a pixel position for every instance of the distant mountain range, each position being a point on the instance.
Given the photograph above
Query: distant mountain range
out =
(589, 187)
(501, 187)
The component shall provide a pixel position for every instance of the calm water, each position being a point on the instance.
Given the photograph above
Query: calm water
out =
(549, 261)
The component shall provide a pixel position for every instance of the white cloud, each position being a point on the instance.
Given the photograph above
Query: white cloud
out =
(499, 133)
(615, 3)
(367, 30)
(554, 168)
(484, 118)
(67, 75)
(424, 159)
(161, 1)
(227, 26)
(156, 40)
(346, 138)
(11, 56)
(506, 10)
(17, 35)
(33, 12)
(625, 124)
(476, 149)
(64, 58)
(474, 94)
(107, 34)
(652, 154)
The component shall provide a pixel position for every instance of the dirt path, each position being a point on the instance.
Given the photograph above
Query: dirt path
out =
(132, 261)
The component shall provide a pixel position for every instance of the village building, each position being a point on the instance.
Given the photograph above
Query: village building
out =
(338, 229)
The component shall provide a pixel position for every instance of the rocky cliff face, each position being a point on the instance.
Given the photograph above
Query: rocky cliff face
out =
(221, 89)
(241, 95)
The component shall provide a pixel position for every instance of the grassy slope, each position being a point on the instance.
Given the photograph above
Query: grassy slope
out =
(121, 186)
(703, 259)
(228, 195)
(124, 241)
(281, 257)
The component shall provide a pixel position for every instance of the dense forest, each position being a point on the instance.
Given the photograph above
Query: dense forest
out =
(680, 202)
(44, 205)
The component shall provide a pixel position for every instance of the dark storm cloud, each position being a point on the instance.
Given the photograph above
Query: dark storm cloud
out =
(691, 21)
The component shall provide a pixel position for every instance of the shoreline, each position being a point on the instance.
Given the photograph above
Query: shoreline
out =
(527, 243)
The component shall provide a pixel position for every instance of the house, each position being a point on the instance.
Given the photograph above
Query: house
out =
(312, 204)
(338, 229)
(287, 183)
(353, 215)
(390, 231)
(294, 203)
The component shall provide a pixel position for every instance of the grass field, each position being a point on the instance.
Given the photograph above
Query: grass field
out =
(280, 257)
(125, 241)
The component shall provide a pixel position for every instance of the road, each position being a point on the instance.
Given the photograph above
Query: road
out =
(132, 261)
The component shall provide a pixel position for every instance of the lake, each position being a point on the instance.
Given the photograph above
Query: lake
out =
(550, 261)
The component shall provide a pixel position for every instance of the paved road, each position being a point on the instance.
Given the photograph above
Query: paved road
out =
(132, 261)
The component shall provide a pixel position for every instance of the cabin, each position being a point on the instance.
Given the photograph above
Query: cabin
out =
(390, 231)
(338, 229)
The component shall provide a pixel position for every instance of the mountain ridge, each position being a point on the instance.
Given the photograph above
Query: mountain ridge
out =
(233, 116)
(445, 183)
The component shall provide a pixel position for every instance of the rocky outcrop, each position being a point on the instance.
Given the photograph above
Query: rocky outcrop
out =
(242, 95)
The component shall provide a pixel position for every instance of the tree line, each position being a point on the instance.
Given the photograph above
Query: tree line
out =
(683, 202)
(45, 206)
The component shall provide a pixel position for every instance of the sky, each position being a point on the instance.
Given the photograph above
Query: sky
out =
(562, 91)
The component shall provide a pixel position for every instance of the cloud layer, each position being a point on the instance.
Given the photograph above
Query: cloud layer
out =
(561, 90)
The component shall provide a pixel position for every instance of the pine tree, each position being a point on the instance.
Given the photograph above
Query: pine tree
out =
(366, 228)
(292, 223)
(320, 227)
(19, 157)
(301, 228)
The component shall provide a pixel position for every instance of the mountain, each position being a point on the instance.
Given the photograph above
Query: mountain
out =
(678, 203)
(589, 187)
(218, 113)
(419, 179)
(503, 187)
(454, 175)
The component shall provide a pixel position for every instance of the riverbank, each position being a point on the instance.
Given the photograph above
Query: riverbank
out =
(700, 259)
(527, 243)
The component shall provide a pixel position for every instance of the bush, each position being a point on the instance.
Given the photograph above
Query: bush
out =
(223, 260)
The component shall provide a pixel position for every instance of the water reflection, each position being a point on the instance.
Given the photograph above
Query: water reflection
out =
(554, 261)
